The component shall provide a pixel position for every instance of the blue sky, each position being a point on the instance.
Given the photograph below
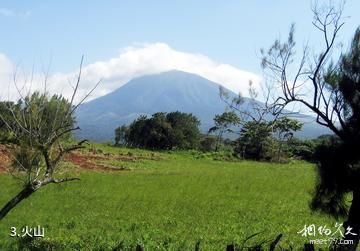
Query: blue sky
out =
(229, 32)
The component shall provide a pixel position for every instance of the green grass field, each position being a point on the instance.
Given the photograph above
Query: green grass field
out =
(167, 204)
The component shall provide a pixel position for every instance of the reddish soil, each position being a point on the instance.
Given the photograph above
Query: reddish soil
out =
(5, 158)
(88, 162)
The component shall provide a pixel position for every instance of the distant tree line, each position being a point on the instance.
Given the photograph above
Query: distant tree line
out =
(271, 140)
(258, 139)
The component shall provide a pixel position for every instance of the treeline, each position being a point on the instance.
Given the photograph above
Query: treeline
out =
(267, 141)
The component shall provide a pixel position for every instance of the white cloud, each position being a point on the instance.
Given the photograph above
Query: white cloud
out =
(6, 65)
(145, 59)
(6, 68)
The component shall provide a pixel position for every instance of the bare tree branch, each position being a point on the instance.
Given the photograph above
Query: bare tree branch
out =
(41, 125)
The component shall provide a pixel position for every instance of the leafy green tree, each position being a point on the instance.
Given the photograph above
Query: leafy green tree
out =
(159, 132)
(255, 140)
(163, 131)
(302, 149)
(331, 91)
(42, 126)
(223, 123)
(255, 123)
(7, 122)
(185, 130)
(121, 134)
(284, 128)
(137, 132)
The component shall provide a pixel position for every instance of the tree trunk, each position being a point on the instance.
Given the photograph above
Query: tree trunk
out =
(218, 140)
(26, 192)
(279, 151)
(353, 221)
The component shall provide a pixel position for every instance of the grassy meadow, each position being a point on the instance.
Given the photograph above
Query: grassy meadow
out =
(166, 201)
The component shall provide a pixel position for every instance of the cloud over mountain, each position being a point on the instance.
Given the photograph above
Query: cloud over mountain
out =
(135, 61)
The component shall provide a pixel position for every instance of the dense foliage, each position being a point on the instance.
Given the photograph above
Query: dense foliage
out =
(254, 141)
(224, 123)
(40, 124)
(331, 91)
(339, 158)
(38, 111)
(161, 131)
(258, 139)
(7, 121)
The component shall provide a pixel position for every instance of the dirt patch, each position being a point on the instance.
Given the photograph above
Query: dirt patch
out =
(88, 161)
(5, 157)
(84, 159)
(129, 156)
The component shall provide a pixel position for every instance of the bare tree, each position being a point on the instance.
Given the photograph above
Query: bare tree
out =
(41, 124)
(251, 109)
(331, 92)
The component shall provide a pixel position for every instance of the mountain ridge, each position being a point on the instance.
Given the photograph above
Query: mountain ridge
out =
(163, 92)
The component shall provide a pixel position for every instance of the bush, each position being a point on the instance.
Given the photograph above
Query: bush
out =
(302, 149)
(208, 143)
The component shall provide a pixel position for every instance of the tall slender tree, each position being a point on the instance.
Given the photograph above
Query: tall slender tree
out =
(331, 91)
(224, 123)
